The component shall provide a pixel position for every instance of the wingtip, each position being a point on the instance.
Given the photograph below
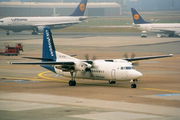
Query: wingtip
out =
(8, 63)
(171, 55)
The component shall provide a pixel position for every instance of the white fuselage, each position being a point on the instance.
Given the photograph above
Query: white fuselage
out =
(159, 27)
(18, 24)
(102, 70)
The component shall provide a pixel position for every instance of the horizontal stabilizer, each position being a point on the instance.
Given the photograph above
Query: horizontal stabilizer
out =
(43, 63)
(46, 59)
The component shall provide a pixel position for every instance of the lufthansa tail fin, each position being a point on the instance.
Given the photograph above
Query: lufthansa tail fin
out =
(137, 17)
(79, 11)
(48, 49)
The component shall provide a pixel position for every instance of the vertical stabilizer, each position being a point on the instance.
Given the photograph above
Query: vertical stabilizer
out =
(79, 11)
(48, 49)
(137, 17)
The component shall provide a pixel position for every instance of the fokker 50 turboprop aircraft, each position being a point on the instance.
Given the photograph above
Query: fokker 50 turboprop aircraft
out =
(37, 24)
(172, 29)
(111, 70)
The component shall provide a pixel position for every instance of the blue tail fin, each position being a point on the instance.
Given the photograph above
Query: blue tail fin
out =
(137, 17)
(79, 11)
(48, 50)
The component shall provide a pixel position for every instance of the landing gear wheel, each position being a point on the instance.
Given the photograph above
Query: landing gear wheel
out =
(72, 83)
(7, 32)
(112, 82)
(133, 86)
(34, 33)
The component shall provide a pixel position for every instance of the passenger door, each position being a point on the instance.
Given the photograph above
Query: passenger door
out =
(113, 74)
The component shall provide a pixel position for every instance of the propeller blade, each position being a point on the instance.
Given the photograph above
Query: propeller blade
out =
(94, 58)
(87, 57)
(133, 55)
(125, 55)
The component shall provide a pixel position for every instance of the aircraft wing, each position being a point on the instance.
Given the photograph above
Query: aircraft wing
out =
(43, 63)
(57, 23)
(148, 57)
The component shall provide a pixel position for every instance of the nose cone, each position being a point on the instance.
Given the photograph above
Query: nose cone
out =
(134, 74)
(139, 74)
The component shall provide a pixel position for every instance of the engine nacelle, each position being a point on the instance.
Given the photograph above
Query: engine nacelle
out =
(177, 33)
(82, 66)
(39, 29)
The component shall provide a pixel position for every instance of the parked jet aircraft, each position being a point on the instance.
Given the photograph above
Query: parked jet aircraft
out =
(172, 29)
(37, 24)
(111, 70)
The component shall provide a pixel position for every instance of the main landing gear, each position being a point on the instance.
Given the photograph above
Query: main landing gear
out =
(7, 32)
(112, 82)
(34, 33)
(133, 85)
(72, 82)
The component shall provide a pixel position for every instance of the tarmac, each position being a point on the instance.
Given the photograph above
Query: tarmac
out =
(31, 92)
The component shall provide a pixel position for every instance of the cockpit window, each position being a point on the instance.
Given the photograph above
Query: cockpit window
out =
(127, 68)
(1, 21)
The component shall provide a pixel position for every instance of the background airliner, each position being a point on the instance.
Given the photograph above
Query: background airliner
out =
(37, 24)
(172, 29)
(111, 70)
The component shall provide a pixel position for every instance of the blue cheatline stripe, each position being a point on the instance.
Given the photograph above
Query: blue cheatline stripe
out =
(175, 94)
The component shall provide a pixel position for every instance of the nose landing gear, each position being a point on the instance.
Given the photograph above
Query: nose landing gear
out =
(133, 85)
(72, 82)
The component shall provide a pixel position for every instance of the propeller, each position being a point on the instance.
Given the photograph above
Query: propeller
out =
(132, 56)
(89, 62)
(126, 55)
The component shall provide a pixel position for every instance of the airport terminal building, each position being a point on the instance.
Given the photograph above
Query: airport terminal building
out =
(62, 9)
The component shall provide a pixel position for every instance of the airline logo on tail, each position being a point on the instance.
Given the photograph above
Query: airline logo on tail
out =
(49, 43)
(136, 16)
(82, 7)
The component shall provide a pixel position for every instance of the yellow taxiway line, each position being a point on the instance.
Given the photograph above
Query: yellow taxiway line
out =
(41, 75)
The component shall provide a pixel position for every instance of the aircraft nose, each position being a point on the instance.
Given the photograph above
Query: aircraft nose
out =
(134, 74)
(139, 74)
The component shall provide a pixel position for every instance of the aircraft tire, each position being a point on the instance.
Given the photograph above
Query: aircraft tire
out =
(72, 83)
(133, 86)
(34, 33)
(112, 82)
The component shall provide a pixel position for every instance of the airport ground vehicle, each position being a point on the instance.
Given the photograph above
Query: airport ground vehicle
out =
(143, 34)
(11, 51)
